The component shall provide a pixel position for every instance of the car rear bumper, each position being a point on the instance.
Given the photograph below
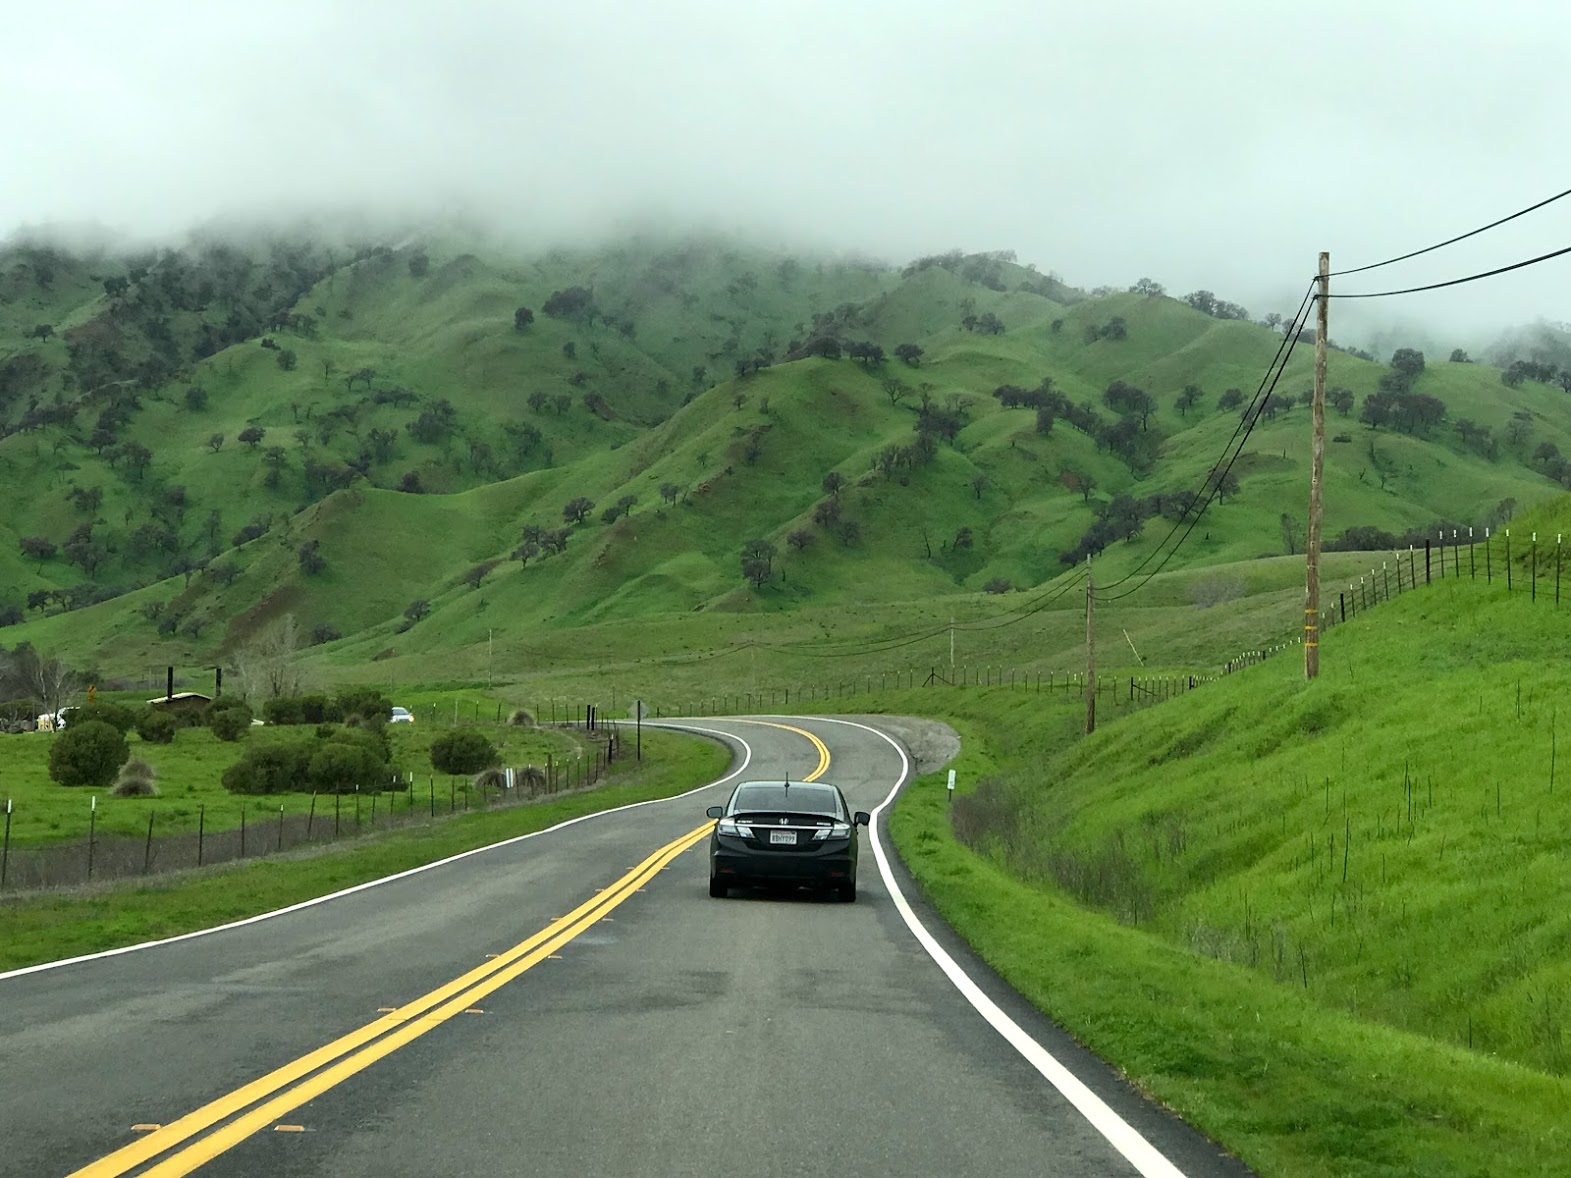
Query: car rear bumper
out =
(743, 865)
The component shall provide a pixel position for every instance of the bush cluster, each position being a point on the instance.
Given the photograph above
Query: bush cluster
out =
(229, 717)
(88, 752)
(335, 759)
(463, 750)
(364, 704)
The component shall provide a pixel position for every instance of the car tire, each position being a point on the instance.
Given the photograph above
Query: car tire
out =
(848, 892)
(718, 890)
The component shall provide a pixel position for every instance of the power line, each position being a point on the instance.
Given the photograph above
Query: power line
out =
(1216, 483)
(1250, 415)
(1381, 294)
(1019, 613)
(1453, 240)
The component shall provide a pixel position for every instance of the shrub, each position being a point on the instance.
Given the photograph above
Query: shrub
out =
(366, 702)
(998, 585)
(231, 721)
(462, 751)
(270, 769)
(318, 709)
(87, 753)
(119, 717)
(155, 726)
(136, 780)
(285, 709)
(339, 765)
(492, 778)
(521, 718)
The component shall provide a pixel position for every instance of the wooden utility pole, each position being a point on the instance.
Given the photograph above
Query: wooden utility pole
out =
(1317, 464)
(1090, 653)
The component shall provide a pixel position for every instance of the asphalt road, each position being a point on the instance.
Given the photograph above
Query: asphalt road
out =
(542, 1007)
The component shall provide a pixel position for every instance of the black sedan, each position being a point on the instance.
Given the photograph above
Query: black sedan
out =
(784, 832)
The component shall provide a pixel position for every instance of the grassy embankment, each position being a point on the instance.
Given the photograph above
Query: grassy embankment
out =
(1323, 921)
(49, 927)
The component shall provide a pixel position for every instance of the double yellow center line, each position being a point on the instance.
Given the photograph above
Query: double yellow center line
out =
(309, 1076)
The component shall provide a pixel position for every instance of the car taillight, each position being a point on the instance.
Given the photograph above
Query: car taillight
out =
(734, 829)
(838, 831)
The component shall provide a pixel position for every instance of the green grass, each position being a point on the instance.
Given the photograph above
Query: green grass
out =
(49, 927)
(1172, 890)
(189, 773)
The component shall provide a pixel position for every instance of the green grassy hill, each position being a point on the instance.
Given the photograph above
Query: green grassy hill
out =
(355, 372)
(1324, 920)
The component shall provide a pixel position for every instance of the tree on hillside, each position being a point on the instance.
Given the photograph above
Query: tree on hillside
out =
(196, 398)
(1273, 320)
(1292, 533)
(86, 499)
(1148, 287)
(669, 492)
(576, 303)
(1231, 399)
(799, 539)
(367, 375)
(1341, 399)
(1202, 300)
(522, 318)
(416, 610)
(1519, 430)
(1458, 356)
(758, 561)
(979, 483)
(990, 324)
(1128, 401)
(1188, 399)
(909, 353)
(833, 482)
(1408, 361)
(252, 436)
(310, 557)
(419, 264)
(1223, 482)
(39, 548)
(215, 442)
(576, 510)
(896, 390)
(562, 402)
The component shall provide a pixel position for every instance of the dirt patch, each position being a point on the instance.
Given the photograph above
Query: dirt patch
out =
(932, 744)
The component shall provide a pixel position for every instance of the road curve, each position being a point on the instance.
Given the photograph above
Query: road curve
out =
(573, 1003)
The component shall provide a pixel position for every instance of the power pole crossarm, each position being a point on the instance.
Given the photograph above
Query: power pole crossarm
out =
(1317, 462)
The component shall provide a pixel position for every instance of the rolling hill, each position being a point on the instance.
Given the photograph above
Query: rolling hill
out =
(381, 443)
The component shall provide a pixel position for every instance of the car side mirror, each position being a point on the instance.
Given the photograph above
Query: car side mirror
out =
(863, 818)
(715, 811)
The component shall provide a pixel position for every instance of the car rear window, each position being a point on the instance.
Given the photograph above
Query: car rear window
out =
(800, 799)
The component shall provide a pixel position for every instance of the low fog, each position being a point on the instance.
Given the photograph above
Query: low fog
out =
(1217, 144)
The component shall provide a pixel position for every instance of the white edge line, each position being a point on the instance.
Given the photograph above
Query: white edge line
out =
(1123, 1136)
(747, 758)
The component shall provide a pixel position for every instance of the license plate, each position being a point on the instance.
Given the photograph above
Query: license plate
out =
(784, 837)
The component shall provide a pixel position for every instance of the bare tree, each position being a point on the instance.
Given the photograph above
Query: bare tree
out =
(266, 667)
(47, 680)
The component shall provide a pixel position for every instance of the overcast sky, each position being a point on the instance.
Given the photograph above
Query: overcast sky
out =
(1213, 143)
